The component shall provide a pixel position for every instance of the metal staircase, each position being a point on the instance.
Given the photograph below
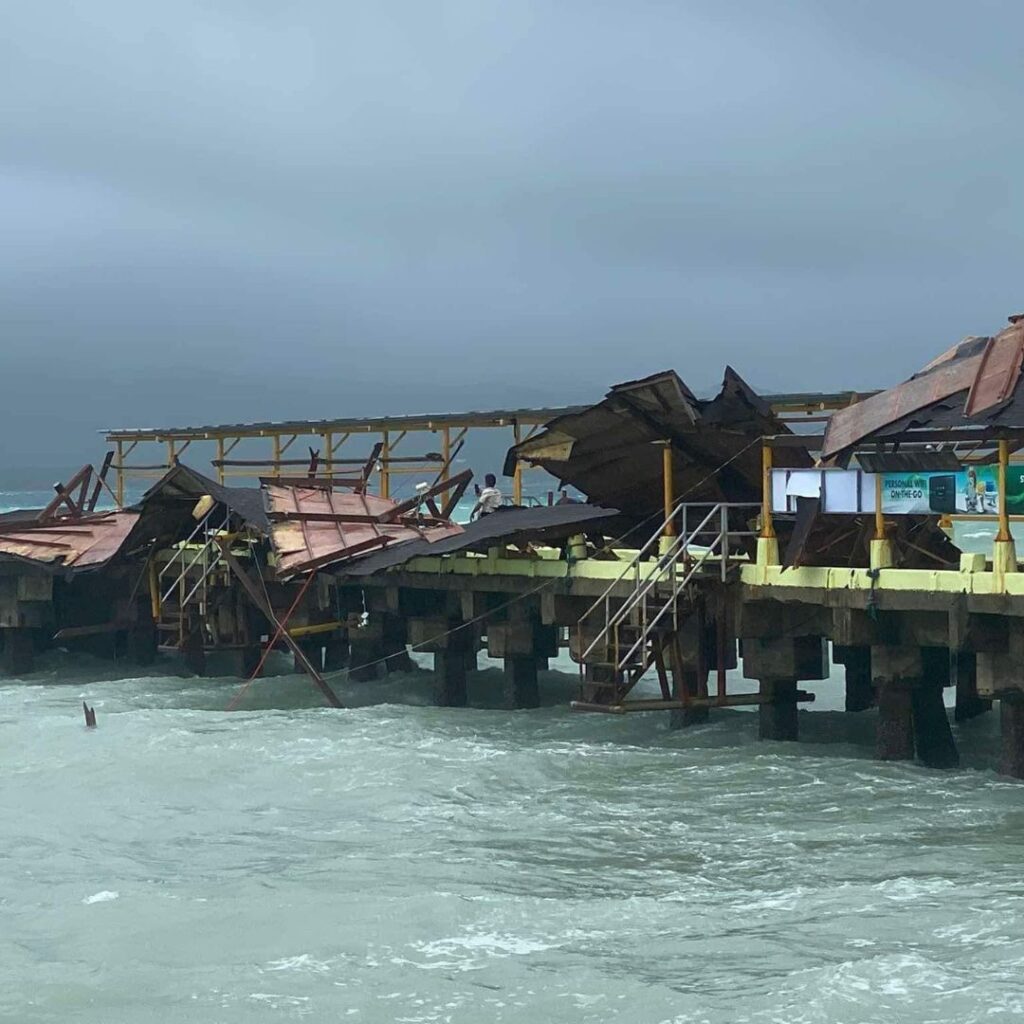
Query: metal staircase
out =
(183, 583)
(624, 631)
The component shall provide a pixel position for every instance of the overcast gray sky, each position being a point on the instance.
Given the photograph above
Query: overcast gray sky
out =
(243, 209)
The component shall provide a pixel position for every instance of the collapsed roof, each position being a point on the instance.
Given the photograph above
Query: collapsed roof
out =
(976, 383)
(67, 542)
(316, 526)
(182, 483)
(610, 451)
(544, 525)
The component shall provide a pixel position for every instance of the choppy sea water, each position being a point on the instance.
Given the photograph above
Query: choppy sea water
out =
(400, 862)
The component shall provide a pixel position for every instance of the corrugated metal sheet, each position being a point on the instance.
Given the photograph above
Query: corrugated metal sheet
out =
(608, 451)
(346, 525)
(964, 386)
(548, 523)
(184, 482)
(71, 543)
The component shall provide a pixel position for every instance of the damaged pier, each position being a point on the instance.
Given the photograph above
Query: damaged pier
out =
(715, 534)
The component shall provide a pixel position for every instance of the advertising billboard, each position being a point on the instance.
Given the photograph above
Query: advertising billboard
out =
(973, 490)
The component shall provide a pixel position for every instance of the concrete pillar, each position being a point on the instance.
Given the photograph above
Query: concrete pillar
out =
(860, 692)
(777, 719)
(247, 659)
(336, 650)
(365, 658)
(1011, 721)
(312, 647)
(140, 643)
(450, 678)
(933, 737)
(193, 653)
(598, 685)
(894, 738)
(521, 689)
(688, 682)
(395, 640)
(18, 652)
(964, 669)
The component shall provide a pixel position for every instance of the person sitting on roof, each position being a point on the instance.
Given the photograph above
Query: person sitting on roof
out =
(489, 499)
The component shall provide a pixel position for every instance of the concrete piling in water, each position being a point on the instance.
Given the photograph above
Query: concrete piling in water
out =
(1011, 725)
(521, 686)
(18, 652)
(777, 716)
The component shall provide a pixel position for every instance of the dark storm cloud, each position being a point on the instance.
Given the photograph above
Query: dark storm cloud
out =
(218, 211)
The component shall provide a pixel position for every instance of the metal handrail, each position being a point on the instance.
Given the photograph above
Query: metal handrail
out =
(201, 553)
(665, 567)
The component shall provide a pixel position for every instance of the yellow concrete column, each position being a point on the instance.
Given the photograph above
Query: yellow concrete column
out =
(881, 554)
(1004, 551)
(767, 542)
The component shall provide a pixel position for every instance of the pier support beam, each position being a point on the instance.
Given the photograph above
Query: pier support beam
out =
(1011, 722)
(860, 692)
(964, 668)
(521, 689)
(312, 648)
(18, 652)
(895, 671)
(688, 682)
(140, 643)
(450, 690)
(336, 651)
(394, 642)
(933, 737)
(779, 663)
(777, 718)
(194, 654)
(894, 738)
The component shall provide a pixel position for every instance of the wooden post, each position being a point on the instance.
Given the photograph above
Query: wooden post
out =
(328, 444)
(220, 459)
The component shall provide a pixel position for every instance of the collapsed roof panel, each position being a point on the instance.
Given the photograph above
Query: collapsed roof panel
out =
(544, 525)
(610, 451)
(315, 526)
(182, 482)
(69, 542)
(975, 383)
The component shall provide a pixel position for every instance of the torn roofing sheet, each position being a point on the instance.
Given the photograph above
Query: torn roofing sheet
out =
(183, 482)
(972, 384)
(545, 525)
(84, 542)
(313, 527)
(609, 451)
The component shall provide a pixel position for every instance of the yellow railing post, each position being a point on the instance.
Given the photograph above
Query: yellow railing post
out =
(1004, 518)
(767, 526)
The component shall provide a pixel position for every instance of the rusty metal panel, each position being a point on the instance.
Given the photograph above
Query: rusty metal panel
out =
(999, 372)
(315, 526)
(79, 543)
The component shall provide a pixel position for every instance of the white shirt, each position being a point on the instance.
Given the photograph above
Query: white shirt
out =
(489, 500)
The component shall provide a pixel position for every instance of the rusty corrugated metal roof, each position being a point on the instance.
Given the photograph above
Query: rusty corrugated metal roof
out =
(978, 376)
(84, 542)
(609, 451)
(312, 527)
